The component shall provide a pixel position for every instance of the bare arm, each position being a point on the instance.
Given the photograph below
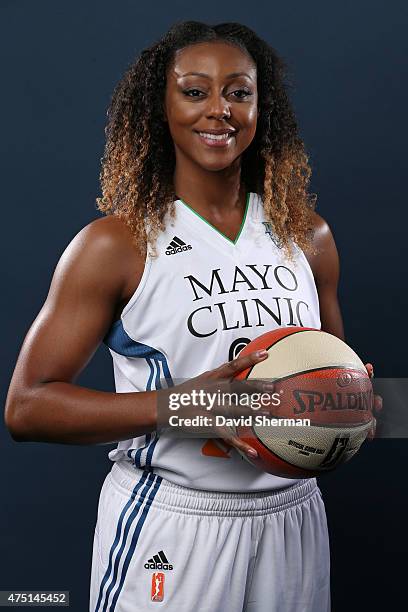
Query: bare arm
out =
(90, 283)
(325, 268)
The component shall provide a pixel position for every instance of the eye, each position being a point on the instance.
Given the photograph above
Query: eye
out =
(193, 93)
(241, 94)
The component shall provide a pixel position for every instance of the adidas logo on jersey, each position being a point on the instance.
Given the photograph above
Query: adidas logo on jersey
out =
(177, 246)
(158, 562)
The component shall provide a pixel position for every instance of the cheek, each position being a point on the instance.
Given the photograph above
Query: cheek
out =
(178, 118)
(181, 114)
(252, 116)
(249, 122)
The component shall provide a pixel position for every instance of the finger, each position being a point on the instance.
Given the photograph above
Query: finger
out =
(237, 365)
(378, 404)
(268, 386)
(258, 384)
(249, 451)
(372, 430)
(229, 436)
(251, 385)
(370, 369)
(242, 398)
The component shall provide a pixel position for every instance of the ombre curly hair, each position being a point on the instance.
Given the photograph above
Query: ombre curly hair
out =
(139, 158)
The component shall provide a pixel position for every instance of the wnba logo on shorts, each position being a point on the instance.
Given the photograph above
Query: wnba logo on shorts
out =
(157, 593)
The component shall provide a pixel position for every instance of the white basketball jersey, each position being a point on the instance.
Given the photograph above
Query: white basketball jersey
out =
(198, 303)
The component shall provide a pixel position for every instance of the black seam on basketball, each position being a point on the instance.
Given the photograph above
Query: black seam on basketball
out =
(345, 366)
(300, 331)
(326, 425)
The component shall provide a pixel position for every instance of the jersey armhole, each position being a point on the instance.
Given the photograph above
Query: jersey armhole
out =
(136, 295)
(309, 268)
(306, 262)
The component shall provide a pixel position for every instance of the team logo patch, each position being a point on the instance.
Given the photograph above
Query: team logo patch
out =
(177, 246)
(157, 593)
(269, 230)
(158, 562)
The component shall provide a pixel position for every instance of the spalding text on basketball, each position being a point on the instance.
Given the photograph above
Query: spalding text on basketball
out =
(311, 401)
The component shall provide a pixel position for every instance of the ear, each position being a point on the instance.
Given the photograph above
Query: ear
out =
(164, 114)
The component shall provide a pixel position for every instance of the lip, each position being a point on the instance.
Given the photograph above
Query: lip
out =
(219, 131)
(211, 142)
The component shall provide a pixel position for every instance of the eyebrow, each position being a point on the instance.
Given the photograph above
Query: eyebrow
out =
(233, 75)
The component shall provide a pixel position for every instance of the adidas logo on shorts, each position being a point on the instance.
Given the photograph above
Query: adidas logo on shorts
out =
(158, 562)
(177, 246)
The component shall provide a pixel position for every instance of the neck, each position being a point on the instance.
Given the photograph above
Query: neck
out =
(209, 191)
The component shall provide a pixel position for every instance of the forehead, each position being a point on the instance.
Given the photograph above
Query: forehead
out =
(211, 58)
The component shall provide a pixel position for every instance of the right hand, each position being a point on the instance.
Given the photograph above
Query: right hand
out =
(222, 379)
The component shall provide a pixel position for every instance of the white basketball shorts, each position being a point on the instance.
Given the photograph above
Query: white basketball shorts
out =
(160, 546)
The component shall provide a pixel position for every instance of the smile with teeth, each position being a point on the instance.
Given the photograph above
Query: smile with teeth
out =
(220, 141)
(216, 136)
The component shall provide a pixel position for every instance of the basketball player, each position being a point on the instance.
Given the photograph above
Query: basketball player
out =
(209, 240)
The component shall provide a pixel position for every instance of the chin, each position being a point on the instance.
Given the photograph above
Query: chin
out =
(215, 165)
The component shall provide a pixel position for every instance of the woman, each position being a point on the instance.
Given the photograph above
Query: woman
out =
(210, 239)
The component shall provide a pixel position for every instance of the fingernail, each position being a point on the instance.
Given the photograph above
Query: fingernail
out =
(261, 353)
(251, 452)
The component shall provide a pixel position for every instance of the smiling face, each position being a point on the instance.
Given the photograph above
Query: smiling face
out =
(211, 104)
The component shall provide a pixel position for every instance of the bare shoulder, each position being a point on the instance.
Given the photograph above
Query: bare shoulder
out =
(107, 235)
(104, 252)
(322, 234)
(323, 257)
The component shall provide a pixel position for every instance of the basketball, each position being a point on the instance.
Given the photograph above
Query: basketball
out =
(323, 398)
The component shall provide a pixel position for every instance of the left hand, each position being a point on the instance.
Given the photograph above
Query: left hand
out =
(377, 403)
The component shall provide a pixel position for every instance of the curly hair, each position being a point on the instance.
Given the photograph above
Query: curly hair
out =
(139, 158)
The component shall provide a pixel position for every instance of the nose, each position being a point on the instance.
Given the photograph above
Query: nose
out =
(218, 107)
